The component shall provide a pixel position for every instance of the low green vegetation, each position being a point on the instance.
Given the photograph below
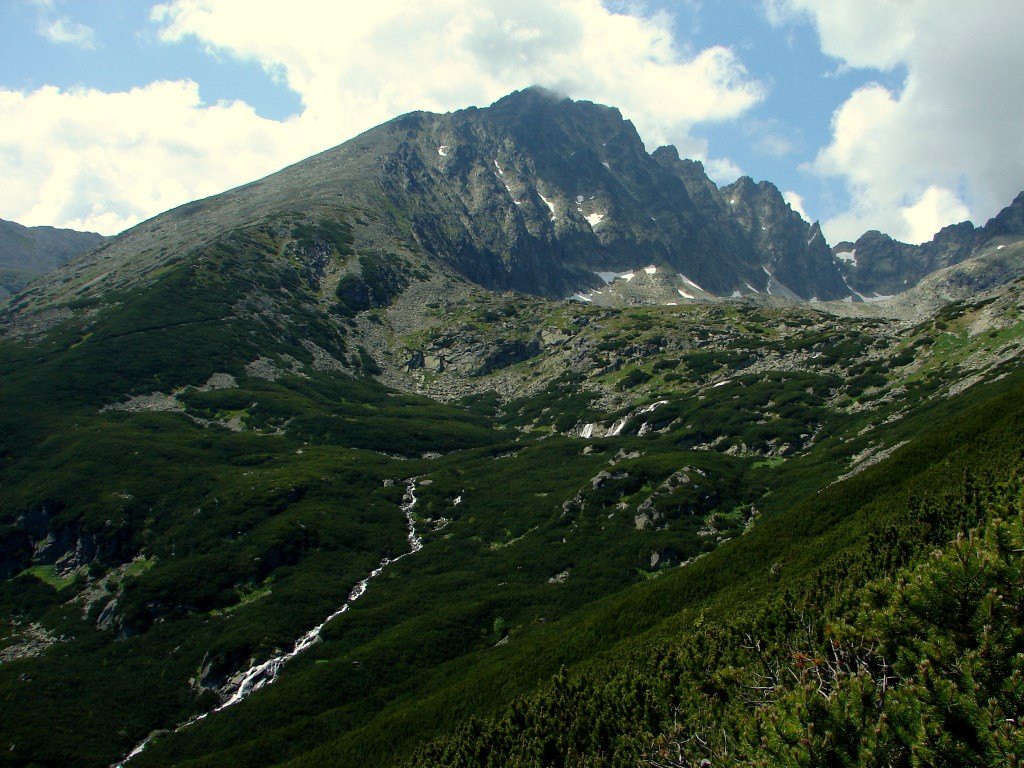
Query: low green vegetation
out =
(727, 573)
(48, 574)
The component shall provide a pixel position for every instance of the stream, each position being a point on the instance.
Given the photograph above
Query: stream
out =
(247, 682)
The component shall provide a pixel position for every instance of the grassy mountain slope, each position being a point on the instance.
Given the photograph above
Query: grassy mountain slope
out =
(889, 638)
(805, 551)
(210, 423)
(215, 485)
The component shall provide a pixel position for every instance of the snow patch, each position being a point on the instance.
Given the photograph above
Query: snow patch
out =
(582, 297)
(549, 204)
(443, 150)
(500, 172)
(588, 431)
(850, 258)
(579, 199)
(594, 219)
(609, 277)
(508, 188)
(651, 269)
(720, 383)
(684, 294)
(671, 303)
(1000, 247)
(752, 288)
(628, 276)
(857, 293)
(606, 166)
(736, 295)
(690, 282)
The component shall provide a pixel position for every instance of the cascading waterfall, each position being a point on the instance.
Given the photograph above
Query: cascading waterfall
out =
(263, 674)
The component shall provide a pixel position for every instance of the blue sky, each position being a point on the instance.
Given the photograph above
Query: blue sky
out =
(124, 51)
(114, 110)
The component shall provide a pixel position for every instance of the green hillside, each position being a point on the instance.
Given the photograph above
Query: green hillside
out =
(202, 512)
(282, 485)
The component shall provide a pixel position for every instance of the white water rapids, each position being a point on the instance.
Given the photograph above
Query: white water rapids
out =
(263, 674)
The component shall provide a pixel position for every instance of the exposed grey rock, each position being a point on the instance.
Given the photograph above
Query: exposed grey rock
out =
(560, 578)
(789, 256)
(29, 641)
(879, 265)
(155, 401)
(539, 193)
(554, 336)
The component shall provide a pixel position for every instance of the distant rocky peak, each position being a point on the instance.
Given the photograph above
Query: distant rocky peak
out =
(1009, 221)
(669, 154)
(543, 121)
(530, 98)
(762, 195)
(886, 266)
(816, 233)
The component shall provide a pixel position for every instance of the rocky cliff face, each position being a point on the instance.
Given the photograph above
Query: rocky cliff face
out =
(535, 193)
(791, 253)
(540, 193)
(878, 265)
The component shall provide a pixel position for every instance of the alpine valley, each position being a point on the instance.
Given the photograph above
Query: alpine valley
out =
(492, 439)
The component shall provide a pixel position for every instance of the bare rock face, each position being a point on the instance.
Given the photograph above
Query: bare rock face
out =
(788, 256)
(539, 193)
(879, 265)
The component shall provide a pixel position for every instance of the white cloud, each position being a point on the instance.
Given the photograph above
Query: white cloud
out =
(62, 30)
(352, 67)
(722, 170)
(796, 202)
(770, 137)
(364, 65)
(946, 146)
(103, 161)
(933, 210)
(65, 31)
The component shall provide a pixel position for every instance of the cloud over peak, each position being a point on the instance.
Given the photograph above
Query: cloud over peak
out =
(352, 66)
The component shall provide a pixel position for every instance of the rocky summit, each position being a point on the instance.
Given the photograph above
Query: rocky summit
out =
(876, 265)
(543, 194)
(491, 439)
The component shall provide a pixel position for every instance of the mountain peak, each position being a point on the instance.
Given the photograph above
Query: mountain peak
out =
(538, 103)
(669, 153)
(532, 94)
(1009, 221)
